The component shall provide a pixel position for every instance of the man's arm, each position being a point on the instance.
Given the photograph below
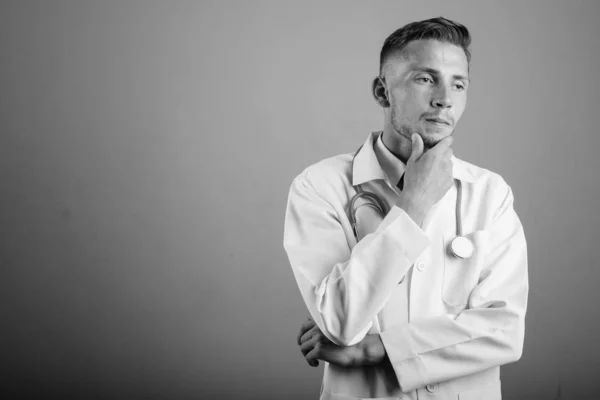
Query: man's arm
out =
(490, 332)
(315, 346)
(344, 289)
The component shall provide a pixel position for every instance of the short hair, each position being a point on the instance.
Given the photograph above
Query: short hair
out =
(439, 28)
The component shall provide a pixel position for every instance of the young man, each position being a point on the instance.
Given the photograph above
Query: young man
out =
(399, 308)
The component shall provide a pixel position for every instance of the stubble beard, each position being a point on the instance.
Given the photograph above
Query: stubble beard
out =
(404, 128)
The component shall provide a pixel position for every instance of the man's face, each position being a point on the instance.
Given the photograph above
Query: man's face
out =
(427, 89)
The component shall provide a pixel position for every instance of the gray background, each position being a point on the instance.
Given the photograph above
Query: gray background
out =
(146, 153)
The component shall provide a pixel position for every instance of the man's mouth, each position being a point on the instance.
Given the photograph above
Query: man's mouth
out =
(438, 121)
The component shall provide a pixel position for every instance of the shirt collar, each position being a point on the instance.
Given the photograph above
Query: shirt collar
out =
(375, 161)
(390, 164)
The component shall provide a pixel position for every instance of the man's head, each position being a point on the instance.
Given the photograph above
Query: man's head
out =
(423, 79)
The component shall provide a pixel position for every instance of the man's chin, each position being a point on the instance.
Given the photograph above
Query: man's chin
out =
(430, 140)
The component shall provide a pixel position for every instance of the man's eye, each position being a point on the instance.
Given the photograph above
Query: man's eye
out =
(460, 86)
(425, 79)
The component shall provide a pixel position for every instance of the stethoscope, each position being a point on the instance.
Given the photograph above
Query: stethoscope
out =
(460, 246)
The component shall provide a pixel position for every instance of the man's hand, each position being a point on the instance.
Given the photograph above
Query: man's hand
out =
(315, 346)
(427, 178)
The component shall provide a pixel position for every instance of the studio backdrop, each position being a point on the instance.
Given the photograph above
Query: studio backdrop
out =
(146, 153)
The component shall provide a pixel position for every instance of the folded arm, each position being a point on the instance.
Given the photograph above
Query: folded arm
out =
(344, 289)
(316, 346)
(488, 333)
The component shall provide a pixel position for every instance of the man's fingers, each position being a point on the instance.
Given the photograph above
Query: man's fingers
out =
(309, 334)
(310, 351)
(417, 147)
(448, 160)
(312, 357)
(306, 326)
(307, 346)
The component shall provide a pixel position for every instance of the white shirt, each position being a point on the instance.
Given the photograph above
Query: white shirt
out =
(447, 324)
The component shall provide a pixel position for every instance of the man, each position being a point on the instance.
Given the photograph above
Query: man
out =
(397, 311)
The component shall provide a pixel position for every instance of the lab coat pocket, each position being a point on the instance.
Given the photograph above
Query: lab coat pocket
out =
(462, 275)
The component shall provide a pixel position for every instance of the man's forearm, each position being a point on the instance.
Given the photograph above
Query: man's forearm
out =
(372, 350)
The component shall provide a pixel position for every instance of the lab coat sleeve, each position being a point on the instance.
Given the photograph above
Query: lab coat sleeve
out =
(488, 333)
(345, 288)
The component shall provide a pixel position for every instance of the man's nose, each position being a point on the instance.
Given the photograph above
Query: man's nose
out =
(441, 97)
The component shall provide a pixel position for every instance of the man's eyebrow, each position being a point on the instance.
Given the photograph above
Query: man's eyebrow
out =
(436, 72)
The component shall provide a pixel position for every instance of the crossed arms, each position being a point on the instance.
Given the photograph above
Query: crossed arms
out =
(344, 289)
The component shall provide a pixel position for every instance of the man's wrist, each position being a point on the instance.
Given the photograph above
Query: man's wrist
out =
(372, 350)
(412, 207)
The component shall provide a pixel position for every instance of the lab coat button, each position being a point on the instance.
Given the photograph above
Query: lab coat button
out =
(420, 266)
(432, 387)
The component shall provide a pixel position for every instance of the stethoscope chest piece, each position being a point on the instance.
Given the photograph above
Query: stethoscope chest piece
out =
(462, 247)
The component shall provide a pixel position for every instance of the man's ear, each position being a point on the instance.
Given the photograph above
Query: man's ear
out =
(379, 92)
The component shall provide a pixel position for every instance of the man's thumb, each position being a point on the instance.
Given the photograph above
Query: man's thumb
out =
(417, 147)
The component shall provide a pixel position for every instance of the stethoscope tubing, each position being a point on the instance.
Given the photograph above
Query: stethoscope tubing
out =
(382, 208)
(379, 205)
(458, 207)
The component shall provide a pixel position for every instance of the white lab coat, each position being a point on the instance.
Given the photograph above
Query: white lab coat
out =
(447, 324)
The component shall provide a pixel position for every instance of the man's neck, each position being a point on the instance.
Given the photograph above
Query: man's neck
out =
(397, 144)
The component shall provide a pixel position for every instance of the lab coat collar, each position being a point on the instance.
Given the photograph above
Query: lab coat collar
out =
(367, 166)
